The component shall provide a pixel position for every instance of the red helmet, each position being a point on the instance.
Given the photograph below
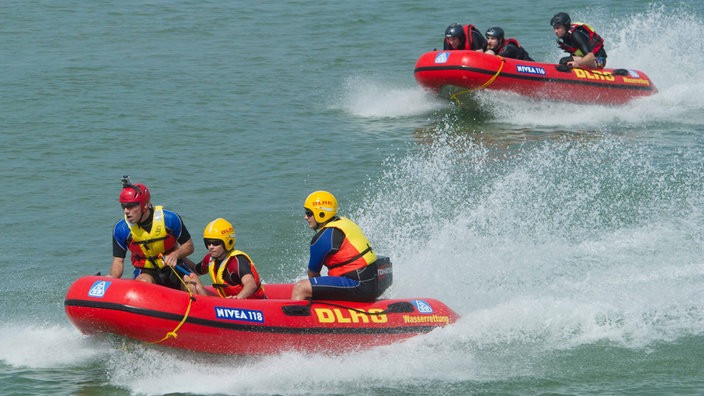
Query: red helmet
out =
(136, 193)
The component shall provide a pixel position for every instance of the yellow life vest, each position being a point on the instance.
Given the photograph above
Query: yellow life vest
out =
(147, 246)
(225, 289)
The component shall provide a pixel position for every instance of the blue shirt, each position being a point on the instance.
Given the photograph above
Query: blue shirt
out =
(326, 242)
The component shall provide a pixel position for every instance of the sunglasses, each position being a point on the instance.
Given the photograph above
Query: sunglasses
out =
(214, 242)
(129, 205)
(309, 213)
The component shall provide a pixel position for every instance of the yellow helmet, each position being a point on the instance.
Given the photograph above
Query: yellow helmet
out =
(220, 229)
(322, 204)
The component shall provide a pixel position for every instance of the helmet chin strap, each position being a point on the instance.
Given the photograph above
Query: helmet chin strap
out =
(145, 215)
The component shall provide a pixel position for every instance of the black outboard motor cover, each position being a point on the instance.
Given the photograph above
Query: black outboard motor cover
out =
(385, 274)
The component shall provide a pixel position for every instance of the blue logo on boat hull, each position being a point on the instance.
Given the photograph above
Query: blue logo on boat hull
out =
(442, 57)
(99, 289)
(422, 306)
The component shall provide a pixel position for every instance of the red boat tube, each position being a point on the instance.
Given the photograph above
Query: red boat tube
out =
(462, 71)
(160, 315)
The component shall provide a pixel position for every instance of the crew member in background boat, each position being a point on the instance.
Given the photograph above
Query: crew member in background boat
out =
(339, 245)
(156, 238)
(232, 271)
(508, 48)
(468, 37)
(585, 46)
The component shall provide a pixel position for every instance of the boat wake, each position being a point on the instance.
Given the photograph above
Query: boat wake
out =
(28, 345)
(366, 98)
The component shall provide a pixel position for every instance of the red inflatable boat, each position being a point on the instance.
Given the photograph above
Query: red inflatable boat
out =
(451, 73)
(164, 316)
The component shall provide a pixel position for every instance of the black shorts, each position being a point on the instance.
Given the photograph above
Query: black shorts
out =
(358, 285)
(164, 276)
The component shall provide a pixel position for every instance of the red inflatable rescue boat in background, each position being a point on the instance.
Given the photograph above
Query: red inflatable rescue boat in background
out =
(448, 73)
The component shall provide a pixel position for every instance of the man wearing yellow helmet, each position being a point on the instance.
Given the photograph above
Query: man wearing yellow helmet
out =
(232, 271)
(339, 245)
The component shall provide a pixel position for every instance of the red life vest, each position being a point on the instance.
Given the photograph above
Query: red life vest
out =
(506, 42)
(521, 54)
(595, 42)
(355, 252)
(467, 36)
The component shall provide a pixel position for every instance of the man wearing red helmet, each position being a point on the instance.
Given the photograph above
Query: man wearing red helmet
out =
(156, 238)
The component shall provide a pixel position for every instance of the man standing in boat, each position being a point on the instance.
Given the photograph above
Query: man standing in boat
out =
(339, 245)
(585, 46)
(156, 238)
(468, 37)
(508, 48)
(231, 270)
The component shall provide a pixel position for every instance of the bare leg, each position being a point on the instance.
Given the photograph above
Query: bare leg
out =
(145, 278)
(302, 290)
(194, 285)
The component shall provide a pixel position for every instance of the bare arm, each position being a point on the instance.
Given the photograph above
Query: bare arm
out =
(182, 251)
(117, 267)
(249, 286)
(585, 61)
(582, 41)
